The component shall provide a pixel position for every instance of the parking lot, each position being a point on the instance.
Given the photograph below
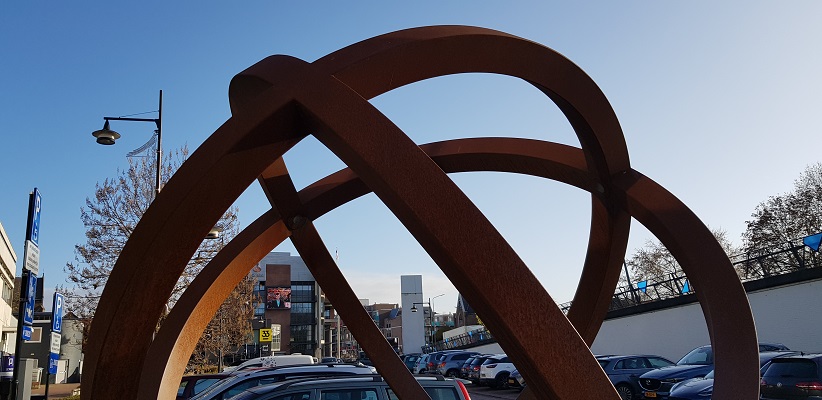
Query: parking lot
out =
(486, 393)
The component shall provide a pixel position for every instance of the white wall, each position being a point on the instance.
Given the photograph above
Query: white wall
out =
(787, 314)
(413, 323)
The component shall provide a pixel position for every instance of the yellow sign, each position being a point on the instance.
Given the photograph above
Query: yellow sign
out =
(265, 335)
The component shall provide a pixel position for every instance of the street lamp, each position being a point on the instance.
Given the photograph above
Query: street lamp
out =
(106, 136)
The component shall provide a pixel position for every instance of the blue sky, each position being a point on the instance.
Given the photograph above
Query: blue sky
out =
(719, 102)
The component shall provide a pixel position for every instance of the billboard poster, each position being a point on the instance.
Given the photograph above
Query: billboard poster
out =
(278, 298)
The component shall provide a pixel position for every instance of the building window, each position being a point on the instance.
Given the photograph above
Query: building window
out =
(36, 335)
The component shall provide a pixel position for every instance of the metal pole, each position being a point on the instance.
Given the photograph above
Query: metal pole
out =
(159, 145)
(48, 375)
(339, 354)
(18, 345)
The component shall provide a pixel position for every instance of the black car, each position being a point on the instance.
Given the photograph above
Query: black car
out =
(372, 388)
(624, 371)
(702, 388)
(697, 363)
(797, 377)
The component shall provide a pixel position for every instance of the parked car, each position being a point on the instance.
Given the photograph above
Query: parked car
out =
(359, 388)
(516, 381)
(474, 368)
(273, 361)
(410, 360)
(192, 385)
(795, 377)
(433, 360)
(624, 371)
(243, 380)
(702, 388)
(466, 365)
(449, 364)
(495, 370)
(330, 360)
(697, 363)
(422, 363)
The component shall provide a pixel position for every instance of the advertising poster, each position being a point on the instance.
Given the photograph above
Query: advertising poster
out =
(278, 298)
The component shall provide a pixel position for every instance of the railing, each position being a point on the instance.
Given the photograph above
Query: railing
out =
(473, 338)
(758, 264)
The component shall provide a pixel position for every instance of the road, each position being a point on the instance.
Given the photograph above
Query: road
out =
(486, 393)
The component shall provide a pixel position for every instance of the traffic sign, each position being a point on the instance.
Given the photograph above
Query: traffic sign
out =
(53, 363)
(32, 257)
(26, 332)
(55, 343)
(57, 313)
(265, 335)
(33, 228)
(28, 313)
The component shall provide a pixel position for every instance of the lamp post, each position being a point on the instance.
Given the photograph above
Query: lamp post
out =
(106, 136)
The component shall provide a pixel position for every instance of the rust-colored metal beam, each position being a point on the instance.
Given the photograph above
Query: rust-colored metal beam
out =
(544, 159)
(280, 100)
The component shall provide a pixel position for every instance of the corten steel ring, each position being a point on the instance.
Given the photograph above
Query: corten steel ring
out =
(279, 100)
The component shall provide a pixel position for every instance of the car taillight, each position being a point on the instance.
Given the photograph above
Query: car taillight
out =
(809, 385)
(491, 366)
(476, 368)
(442, 365)
(464, 390)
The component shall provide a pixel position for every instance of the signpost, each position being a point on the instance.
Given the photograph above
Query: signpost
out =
(56, 337)
(28, 280)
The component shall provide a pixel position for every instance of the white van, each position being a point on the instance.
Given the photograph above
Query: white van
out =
(274, 361)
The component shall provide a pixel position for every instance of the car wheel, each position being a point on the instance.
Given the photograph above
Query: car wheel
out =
(625, 392)
(451, 373)
(501, 382)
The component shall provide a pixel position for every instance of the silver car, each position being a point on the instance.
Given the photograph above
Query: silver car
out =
(238, 383)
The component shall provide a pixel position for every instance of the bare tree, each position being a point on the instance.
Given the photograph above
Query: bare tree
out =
(654, 263)
(772, 235)
(227, 331)
(110, 218)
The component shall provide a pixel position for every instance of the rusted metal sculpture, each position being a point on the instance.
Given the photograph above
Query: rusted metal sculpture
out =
(280, 100)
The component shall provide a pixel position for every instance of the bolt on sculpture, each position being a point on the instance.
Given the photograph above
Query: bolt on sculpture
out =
(280, 100)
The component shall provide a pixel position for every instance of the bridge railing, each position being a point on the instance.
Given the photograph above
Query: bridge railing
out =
(754, 265)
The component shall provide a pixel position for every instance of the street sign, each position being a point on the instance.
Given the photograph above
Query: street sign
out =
(28, 314)
(265, 335)
(55, 343)
(53, 363)
(57, 313)
(32, 257)
(33, 228)
(26, 332)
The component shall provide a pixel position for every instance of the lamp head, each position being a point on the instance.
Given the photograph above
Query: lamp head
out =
(414, 308)
(106, 136)
(213, 234)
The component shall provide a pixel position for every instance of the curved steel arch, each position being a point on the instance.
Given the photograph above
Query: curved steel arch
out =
(303, 98)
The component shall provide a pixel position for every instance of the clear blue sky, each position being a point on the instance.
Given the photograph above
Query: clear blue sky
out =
(719, 102)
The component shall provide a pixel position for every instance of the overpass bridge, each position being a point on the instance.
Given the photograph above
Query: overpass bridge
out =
(662, 316)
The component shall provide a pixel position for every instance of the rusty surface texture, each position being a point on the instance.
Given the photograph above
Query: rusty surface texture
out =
(280, 100)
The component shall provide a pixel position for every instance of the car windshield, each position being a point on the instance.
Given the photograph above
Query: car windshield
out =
(698, 356)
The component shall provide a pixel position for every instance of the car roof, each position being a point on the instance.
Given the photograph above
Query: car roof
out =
(617, 357)
(261, 390)
(806, 356)
(286, 370)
